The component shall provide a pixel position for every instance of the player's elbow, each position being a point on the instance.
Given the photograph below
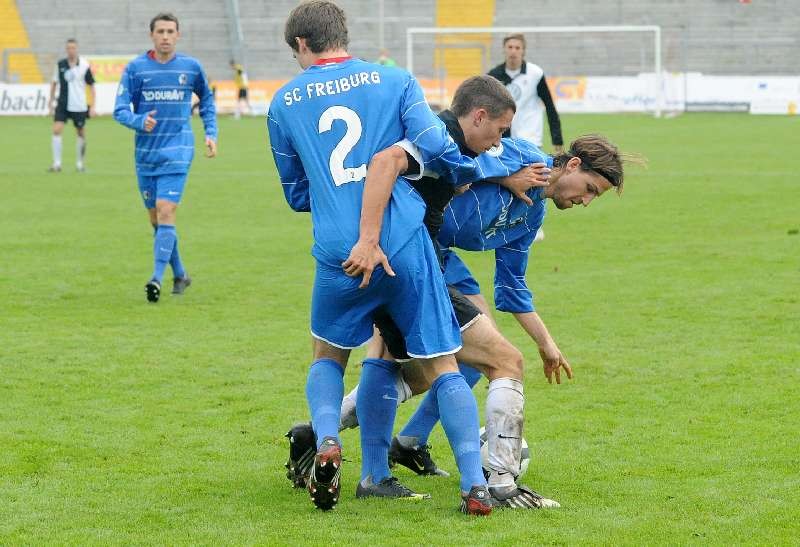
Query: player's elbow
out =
(119, 114)
(300, 206)
(391, 160)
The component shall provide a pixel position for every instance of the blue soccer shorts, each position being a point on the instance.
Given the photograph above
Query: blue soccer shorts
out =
(168, 187)
(416, 299)
(457, 274)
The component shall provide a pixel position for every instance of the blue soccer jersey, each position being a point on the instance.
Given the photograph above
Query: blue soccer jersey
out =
(487, 217)
(325, 126)
(167, 88)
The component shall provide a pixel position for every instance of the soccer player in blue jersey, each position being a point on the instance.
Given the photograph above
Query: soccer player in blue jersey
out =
(159, 86)
(325, 125)
(486, 218)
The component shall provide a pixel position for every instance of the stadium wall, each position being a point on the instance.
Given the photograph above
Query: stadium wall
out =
(705, 44)
(714, 37)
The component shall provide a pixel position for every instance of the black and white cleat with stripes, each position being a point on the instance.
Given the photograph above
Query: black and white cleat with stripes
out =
(520, 497)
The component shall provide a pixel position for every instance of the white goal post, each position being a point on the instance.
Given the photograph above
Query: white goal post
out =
(655, 29)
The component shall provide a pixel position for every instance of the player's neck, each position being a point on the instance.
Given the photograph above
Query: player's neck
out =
(550, 189)
(510, 66)
(163, 57)
(330, 54)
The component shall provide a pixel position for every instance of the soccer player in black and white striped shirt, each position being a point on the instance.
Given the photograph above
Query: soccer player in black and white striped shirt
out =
(71, 76)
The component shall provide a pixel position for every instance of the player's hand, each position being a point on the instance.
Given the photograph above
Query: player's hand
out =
(532, 176)
(211, 148)
(461, 189)
(363, 259)
(553, 361)
(150, 122)
(92, 112)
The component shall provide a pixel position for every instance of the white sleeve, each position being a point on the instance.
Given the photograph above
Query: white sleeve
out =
(414, 152)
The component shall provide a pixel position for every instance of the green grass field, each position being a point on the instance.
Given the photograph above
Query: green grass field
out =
(677, 304)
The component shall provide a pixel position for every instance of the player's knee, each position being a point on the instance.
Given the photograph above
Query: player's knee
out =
(323, 350)
(414, 377)
(165, 212)
(507, 361)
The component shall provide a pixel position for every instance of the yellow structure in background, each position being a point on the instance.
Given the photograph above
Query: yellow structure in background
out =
(22, 67)
(463, 55)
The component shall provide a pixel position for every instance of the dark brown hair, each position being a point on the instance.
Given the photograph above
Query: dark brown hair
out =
(482, 92)
(599, 155)
(323, 25)
(163, 16)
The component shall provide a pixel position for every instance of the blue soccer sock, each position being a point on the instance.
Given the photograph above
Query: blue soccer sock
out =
(459, 414)
(376, 407)
(162, 249)
(324, 391)
(425, 418)
(175, 261)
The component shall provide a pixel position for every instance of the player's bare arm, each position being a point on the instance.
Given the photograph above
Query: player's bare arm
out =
(383, 170)
(552, 358)
(51, 102)
(92, 101)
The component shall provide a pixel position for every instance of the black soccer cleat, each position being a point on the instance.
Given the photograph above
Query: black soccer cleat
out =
(416, 459)
(323, 481)
(477, 502)
(389, 487)
(520, 497)
(180, 284)
(302, 449)
(153, 290)
(54, 169)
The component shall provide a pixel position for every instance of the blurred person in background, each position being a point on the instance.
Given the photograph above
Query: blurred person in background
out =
(72, 76)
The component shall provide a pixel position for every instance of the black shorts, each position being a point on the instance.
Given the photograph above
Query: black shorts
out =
(466, 313)
(242, 93)
(78, 118)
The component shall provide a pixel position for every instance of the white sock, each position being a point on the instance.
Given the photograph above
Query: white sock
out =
(348, 418)
(80, 151)
(56, 145)
(403, 389)
(504, 419)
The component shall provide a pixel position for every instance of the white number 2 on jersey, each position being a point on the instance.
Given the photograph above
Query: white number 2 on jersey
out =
(341, 174)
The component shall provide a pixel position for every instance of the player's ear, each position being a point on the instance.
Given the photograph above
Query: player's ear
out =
(301, 44)
(478, 115)
(574, 163)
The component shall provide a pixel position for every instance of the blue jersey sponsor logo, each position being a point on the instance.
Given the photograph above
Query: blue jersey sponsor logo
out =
(166, 95)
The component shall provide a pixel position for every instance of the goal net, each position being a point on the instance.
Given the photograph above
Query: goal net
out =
(588, 68)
